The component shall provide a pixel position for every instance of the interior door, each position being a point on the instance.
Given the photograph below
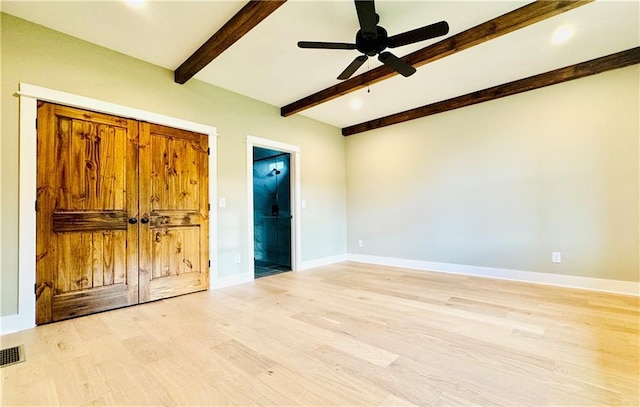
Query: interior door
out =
(87, 191)
(174, 247)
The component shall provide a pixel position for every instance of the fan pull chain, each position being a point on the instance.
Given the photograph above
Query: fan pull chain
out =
(368, 87)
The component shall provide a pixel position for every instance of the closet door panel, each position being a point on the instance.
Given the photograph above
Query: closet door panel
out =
(174, 252)
(87, 189)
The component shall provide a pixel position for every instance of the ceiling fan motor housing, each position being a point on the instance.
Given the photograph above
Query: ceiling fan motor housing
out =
(371, 40)
(372, 45)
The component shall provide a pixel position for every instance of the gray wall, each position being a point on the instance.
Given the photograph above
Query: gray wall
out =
(39, 56)
(504, 183)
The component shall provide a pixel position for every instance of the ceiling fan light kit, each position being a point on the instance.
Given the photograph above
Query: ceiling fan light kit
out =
(371, 40)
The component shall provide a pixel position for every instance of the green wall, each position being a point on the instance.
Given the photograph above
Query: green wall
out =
(504, 183)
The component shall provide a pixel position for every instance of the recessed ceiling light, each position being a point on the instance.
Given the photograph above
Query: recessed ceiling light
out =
(562, 34)
(135, 3)
(355, 104)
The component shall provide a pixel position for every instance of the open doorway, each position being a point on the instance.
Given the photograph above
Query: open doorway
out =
(271, 211)
(294, 200)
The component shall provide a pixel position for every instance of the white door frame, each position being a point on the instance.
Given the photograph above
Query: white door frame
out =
(296, 225)
(29, 96)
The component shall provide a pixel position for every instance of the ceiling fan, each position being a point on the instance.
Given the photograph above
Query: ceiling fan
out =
(371, 39)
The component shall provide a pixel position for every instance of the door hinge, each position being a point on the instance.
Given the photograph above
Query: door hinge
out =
(209, 207)
(36, 123)
(35, 288)
(36, 205)
(209, 263)
(208, 151)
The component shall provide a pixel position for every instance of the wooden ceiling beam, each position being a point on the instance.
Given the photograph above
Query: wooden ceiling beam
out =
(506, 23)
(592, 67)
(241, 23)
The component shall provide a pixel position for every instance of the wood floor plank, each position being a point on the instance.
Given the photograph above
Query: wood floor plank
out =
(348, 334)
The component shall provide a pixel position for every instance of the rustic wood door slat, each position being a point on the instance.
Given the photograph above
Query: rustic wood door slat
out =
(89, 221)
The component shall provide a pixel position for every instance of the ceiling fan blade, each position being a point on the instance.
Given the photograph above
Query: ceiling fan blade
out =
(396, 64)
(326, 45)
(367, 18)
(353, 67)
(419, 34)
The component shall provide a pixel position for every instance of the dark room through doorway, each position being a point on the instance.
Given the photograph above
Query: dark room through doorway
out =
(271, 211)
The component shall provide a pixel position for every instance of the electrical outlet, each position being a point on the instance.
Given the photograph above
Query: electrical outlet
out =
(556, 257)
(237, 258)
(360, 243)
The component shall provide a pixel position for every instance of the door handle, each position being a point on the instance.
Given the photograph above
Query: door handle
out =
(144, 220)
(133, 221)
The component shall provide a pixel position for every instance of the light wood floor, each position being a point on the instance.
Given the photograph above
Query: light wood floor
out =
(347, 334)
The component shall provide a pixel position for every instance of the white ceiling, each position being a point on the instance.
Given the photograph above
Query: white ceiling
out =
(267, 65)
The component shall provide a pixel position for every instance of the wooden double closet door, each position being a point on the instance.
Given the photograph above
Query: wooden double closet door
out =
(122, 212)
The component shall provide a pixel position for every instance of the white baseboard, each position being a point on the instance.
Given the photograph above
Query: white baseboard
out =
(16, 322)
(233, 279)
(586, 283)
(323, 261)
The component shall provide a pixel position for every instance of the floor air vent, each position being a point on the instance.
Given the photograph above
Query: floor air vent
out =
(10, 356)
